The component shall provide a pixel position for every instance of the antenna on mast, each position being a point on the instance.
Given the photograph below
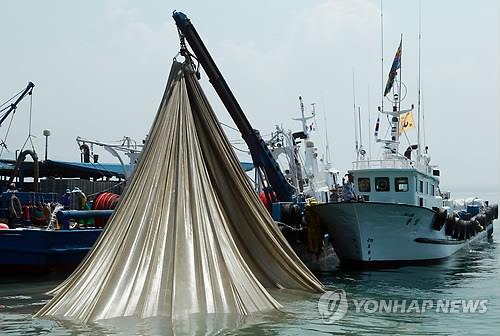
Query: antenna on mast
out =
(423, 116)
(304, 126)
(361, 150)
(382, 53)
(400, 73)
(419, 117)
(356, 143)
(303, 118)
(369, 125)
(327, 158)
(313, 112)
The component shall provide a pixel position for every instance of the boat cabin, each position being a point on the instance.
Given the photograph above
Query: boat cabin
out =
(397, 185)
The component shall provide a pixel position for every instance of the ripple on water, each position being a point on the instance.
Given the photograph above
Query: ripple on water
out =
(470, 274)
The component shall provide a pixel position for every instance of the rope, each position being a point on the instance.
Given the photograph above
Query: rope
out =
(106, 190)
(230, 127)
(8, 100)
(99, 166)
(5, 108)
(30, 136)
(240, 150)
(6, 135)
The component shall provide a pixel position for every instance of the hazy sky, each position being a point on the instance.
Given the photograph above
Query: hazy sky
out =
(100, 68)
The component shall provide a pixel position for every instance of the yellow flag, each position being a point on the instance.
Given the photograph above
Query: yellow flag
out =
(406, 122)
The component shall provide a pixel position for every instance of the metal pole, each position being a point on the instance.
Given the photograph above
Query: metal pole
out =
(46, 133)
(382, 50)
(356, 143)
(419, 74)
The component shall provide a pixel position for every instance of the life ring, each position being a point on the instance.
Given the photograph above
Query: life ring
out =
(15, 207)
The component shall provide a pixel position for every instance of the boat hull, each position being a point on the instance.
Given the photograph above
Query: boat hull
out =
(41, 251)
(370, 233)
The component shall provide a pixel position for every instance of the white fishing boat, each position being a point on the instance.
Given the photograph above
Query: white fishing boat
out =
(399, 214)
(310, 173)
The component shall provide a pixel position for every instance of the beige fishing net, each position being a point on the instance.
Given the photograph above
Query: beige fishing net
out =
(189, 236)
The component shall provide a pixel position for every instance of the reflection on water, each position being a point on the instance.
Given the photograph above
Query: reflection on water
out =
(471, 274)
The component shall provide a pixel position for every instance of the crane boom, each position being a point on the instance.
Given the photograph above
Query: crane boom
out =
(13, 106)
(261, 155)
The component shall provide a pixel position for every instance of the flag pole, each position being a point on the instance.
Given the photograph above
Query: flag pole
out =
(360, 130)
(382, 56)
(369, 126)
(400, 72)
(419, 74)
(355, 121)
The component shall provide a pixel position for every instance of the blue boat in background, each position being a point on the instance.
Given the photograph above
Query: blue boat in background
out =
(30, 250)
(27, 248)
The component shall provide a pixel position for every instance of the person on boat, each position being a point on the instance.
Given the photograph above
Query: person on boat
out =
(348, 189)
(66, 199)
(39, 216)
(334, 195)
(77, 199)
(78, 202)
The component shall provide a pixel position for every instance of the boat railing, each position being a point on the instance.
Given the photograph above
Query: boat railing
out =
(389, 163)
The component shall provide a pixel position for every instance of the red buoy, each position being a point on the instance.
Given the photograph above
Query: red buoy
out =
(4, 226)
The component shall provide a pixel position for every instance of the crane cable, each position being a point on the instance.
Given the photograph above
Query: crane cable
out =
(2, 144)
(30, 136)
(8, 100)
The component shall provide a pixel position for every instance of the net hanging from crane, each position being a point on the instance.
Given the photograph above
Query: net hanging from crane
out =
(189, 236)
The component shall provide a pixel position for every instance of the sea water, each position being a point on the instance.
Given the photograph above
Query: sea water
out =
(438, 300)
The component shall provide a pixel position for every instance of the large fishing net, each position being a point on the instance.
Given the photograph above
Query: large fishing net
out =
(189, 236)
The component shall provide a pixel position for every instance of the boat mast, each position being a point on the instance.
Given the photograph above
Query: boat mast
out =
(303, 119)
(327, 149)
(400, 75)
(361, 150)
(356, 142)
(369, 125)
(392, 144)
(419, 74)
(382, 55)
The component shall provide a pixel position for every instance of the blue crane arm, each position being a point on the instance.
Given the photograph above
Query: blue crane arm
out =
(261, 155)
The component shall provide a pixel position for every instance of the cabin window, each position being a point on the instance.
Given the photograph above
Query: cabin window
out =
(382, 184)
(433, 191)
(421, 186)
(401, 184)
(364, 184)
(427, 190)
